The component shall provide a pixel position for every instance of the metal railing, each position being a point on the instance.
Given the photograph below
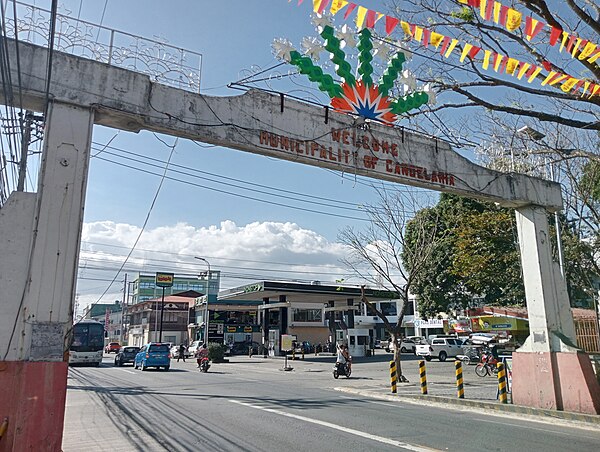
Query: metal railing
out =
(164, 63)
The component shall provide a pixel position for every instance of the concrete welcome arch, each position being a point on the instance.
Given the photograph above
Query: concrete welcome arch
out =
(41, 231)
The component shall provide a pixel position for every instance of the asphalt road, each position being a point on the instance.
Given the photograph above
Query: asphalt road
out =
(253, 405)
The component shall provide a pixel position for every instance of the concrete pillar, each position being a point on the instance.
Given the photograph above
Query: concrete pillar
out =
(548, 370)
(40, 248)
(350, 312)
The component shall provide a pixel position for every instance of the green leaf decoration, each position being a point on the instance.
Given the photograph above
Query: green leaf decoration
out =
(409, 102)
(391, 73)
(365, 57)
(315, 74)
(338, 56)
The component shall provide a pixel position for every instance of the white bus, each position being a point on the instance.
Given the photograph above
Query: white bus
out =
(88, 343)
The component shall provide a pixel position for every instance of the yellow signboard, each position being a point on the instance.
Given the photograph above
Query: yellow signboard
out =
(164, 279)
(491, 323)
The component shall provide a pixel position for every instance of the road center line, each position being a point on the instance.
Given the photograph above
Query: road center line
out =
(380, 439)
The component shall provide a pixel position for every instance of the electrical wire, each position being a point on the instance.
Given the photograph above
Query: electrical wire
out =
(53, 14)
(238, 183)
(272, 203)
(146, 220)
(189, 172)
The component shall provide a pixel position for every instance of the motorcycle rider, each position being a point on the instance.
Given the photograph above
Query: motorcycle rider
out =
(343, 356)
(201, 353)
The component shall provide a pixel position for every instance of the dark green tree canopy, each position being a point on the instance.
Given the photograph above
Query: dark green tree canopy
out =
(478, 258)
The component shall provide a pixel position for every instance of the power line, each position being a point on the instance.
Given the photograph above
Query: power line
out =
(189, 172)
(237, 195)
(147, 216)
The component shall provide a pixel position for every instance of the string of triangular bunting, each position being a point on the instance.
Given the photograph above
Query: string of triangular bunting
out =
(491, 10)
(505, 16)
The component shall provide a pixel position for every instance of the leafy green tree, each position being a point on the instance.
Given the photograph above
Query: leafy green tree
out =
(479, 257)
(486, 256)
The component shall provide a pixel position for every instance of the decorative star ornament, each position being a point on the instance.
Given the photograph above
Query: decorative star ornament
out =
(365, 101)
(347, 36)
(409, 81)
(431, 93)
(405, 50)
(321, 21)
(381, 50)
(312, 47)
(282, 49)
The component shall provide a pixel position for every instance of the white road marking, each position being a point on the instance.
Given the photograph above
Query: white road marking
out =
(377, 438)
(128, 371)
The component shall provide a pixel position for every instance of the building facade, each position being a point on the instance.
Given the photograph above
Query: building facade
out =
(144, 287)
(145, 323)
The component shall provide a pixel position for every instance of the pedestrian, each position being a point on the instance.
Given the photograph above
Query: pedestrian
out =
(181, 352)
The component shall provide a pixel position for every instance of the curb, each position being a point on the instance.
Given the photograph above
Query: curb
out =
(496, 408)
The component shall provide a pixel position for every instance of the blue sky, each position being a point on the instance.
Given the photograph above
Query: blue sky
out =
(273, 238)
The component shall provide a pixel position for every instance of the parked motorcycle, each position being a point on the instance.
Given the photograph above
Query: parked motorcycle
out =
(341, 369)
(204, 364)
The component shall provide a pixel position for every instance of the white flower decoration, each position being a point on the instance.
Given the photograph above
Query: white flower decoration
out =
(321, 21)
(431, 93)
(409, 81)
(312, 47)
(347, 36)
(282, 48)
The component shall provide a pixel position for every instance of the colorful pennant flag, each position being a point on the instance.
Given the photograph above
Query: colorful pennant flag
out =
(499, 13)
(351, 8)
(337, 6)
(360, 16)
(390, 24)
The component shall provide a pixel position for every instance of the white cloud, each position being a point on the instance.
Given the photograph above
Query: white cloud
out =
(267, 250)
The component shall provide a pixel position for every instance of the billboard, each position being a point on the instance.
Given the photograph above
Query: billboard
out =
(164, 279)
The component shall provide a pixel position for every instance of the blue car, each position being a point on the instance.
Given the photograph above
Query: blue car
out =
(153, 354)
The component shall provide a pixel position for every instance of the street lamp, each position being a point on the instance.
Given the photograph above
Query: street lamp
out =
(538, 136)
(207, 299)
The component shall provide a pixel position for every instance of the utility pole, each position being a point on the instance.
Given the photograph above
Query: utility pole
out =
(25, 139)
(206, 312)
(162, 312)
(124, 310)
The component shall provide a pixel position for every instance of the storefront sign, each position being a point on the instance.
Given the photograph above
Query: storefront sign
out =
(431, 323)
(164, 279)
(491, 324)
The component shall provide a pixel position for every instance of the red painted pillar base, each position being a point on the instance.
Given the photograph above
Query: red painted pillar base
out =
(32, 397)
(555, 381)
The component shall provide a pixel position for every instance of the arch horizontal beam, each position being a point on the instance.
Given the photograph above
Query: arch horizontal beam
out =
(272, 125)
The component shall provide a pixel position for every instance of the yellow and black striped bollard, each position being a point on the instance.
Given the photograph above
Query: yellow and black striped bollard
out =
(423, 377)
(293, 354)
(502, 395)
(393, 376)
(460, 386)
